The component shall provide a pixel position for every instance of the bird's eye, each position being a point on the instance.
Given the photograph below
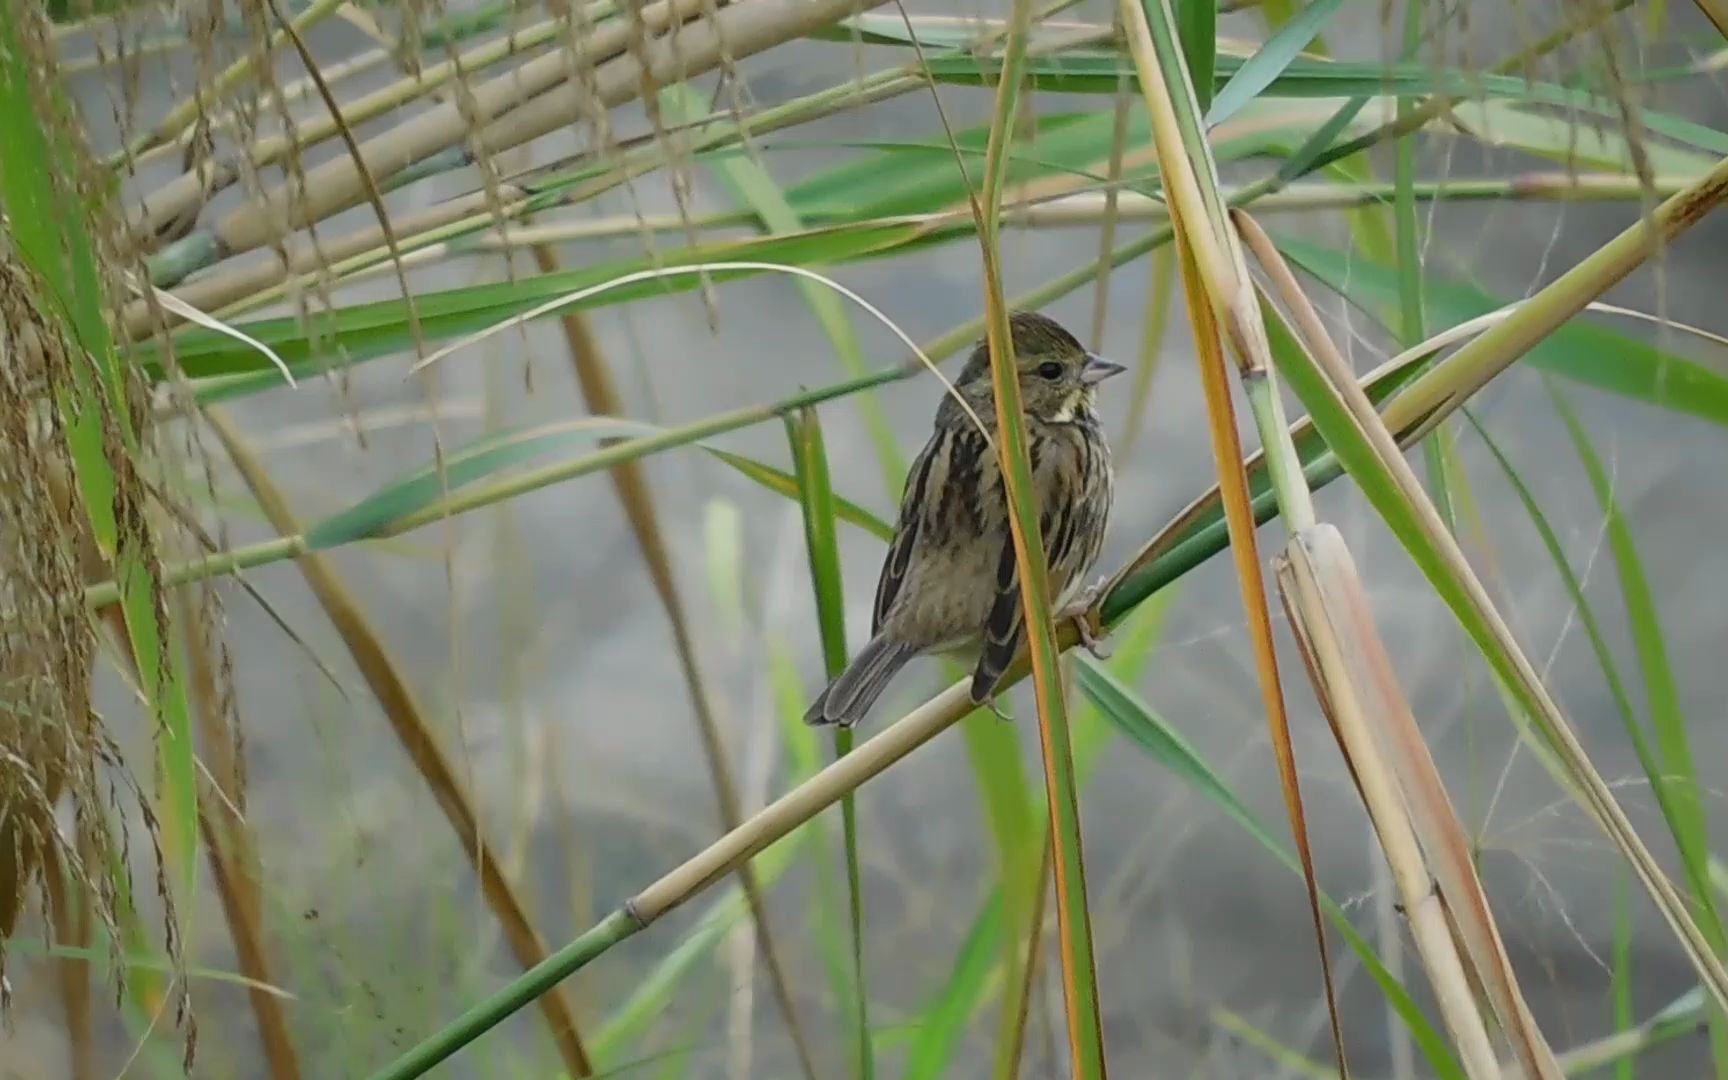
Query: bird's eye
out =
(1050, 369)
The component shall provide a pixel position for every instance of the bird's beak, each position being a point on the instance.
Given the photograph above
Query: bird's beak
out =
(1097, 369)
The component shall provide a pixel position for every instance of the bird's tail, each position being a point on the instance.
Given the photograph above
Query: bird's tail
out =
(854, 690)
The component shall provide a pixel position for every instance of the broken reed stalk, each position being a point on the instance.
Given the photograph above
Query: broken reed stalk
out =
(1303, 592)
(1443, 840)
(1419, 408)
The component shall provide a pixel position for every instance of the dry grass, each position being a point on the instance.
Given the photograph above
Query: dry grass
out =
(53, 745)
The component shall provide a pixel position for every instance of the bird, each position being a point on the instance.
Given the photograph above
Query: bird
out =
(950, 584)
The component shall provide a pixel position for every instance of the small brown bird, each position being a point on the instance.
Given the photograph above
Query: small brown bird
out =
(950, 582)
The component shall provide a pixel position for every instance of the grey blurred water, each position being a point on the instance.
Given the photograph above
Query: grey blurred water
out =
(542, 650)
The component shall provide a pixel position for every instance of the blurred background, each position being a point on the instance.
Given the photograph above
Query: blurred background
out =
(543, 659)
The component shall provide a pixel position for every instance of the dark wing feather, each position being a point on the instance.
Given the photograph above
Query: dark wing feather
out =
(905, 541)
(1002, 630)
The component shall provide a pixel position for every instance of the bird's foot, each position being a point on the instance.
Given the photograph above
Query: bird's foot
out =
(993, 704)
(1080, 612)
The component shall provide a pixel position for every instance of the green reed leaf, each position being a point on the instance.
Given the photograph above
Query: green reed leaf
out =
(1197, 25)
(1272, 60)
(816, 499)
(784, 483)
(1678, 775)
(1007, 800)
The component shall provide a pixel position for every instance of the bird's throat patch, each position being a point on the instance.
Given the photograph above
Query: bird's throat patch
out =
(1064, 413)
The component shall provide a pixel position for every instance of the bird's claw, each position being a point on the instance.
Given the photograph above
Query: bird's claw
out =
(990, 703)
(1080, 611)
(1093, 642)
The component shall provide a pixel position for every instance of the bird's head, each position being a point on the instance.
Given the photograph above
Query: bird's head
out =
(1057, 374)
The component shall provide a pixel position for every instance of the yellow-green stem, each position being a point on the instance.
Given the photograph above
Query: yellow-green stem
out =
(1079, 975)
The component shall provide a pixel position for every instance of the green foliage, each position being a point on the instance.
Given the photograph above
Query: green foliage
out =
(1282, 112)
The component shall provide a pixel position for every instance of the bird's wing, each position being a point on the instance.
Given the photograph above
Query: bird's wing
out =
(932, 459)
(1002, 629)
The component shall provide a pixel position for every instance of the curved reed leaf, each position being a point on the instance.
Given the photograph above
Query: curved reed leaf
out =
(460, 467)
(1579, 351)
(495, 454)
(784, 483)
(161, 965)
(1681, 1017)
(1197, 533)
(1587, 619)
(904, 179)
(1680, 820)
